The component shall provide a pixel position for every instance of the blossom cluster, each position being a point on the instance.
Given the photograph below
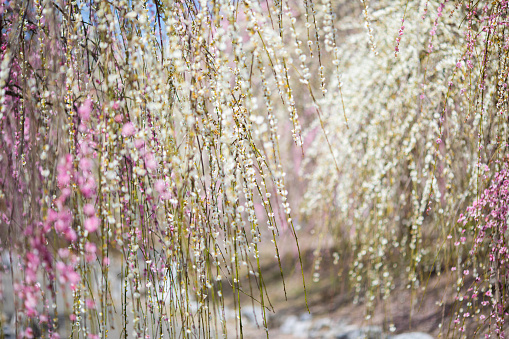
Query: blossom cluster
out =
(427, 130)
(140, 160)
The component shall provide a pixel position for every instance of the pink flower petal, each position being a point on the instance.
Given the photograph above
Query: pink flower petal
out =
(91, 224)
(128, 129)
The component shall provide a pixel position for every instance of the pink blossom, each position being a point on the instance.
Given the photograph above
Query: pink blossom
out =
(60, 226)
(90, 303)
(150, 162)
(30, 301)
(71, 235)
(60, 266)
(91, 224)
(128, 129)
(73, 277)
(67, 274)
(85, 164)
(89, 210)
(90, 250)
(52, 216)
(28, 333)
(64, 170)
(63, 178)
(139, 143)
(90, 247)
(160, 186)
(33, 260)
(87, 190)
(85, 109)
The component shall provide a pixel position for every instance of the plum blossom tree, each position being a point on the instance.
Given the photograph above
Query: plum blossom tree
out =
(142, 166)
(133, 147)
(427, 133)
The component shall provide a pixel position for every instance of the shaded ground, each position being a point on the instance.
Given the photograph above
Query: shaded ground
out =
(331, 302)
